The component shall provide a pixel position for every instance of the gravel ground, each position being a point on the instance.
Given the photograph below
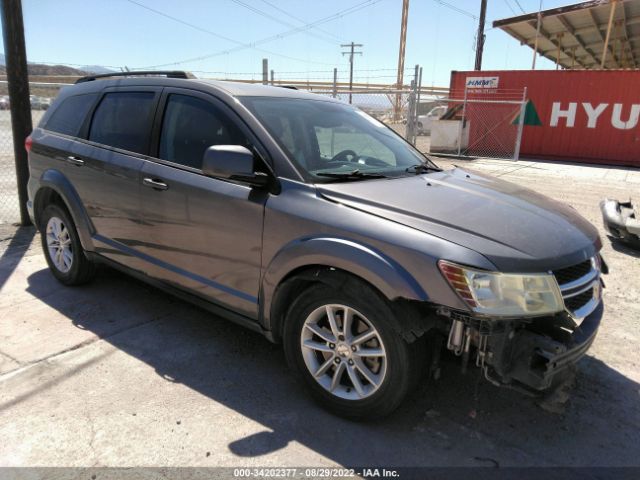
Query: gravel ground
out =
(119, 374)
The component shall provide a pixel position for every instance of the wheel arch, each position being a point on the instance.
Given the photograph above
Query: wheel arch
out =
(56, 188)
(333, 260)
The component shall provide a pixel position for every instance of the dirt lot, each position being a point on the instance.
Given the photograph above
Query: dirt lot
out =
(119, 374)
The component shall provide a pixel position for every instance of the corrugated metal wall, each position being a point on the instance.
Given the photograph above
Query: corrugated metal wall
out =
(586, 115)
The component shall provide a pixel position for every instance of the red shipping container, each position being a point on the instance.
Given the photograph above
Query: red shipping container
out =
(587, 115)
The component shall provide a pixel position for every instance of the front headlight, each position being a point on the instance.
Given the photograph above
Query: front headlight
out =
(504, 294)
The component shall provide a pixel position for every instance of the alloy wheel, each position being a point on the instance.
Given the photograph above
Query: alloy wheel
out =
(59, 244)
(343, 351)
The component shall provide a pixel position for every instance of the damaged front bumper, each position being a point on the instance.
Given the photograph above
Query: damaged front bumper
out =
(535, 355)
(525, 354)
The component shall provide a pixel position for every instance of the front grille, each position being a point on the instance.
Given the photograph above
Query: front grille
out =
(574, 303)
(577, 284)
(572, 273)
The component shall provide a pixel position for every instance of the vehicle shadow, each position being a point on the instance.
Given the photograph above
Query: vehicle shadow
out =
(459, 420)
(12, 254)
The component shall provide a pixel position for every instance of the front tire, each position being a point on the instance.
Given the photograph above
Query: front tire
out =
(344, 344)
(62, 249)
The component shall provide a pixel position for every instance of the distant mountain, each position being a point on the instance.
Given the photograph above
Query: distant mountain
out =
(40, 69)
(97, 69)
(51, 70)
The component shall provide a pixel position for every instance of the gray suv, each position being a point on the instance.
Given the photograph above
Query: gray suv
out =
(304, 219)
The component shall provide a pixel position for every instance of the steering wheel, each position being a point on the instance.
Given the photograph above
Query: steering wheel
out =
(344, 156)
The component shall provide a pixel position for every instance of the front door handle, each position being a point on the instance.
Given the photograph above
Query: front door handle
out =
(75, 160)
(155, 184)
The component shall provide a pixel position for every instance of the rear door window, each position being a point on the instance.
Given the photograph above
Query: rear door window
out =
(123, 120)
(190, 126)
(69, 116)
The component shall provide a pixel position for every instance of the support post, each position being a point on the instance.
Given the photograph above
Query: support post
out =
(463, 121)
(606, 41)
(18, 84)
(419, 90)
(265, 71)
(335, 82)
(559, 40)
(535, 45)
(410, 133)
(523, 112)
(272, 78)
(412, 110)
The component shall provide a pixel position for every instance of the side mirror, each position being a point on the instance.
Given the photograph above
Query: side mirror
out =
(232, 162)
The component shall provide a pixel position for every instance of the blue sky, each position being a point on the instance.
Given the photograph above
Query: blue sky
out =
(120, 32)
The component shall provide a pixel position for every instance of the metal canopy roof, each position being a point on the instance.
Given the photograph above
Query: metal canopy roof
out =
(575, 36)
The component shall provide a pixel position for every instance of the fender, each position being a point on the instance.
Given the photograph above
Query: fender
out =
(55, 180)
(364, 261)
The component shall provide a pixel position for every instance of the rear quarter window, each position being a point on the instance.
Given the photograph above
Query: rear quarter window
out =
(70, 114)
(123, 120)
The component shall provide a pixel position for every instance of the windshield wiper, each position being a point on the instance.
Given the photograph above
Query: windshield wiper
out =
(422, 167)
(352, 175)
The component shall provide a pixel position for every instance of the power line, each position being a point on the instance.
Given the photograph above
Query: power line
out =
(253, 45)
(283, 11)
(214, 34)
(510, 7)
(457, 9)
(178, 20)
(277, 20)
(519, 6)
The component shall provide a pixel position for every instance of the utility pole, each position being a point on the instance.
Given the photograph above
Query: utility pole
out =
(18, 80)
(351, 53)
(480, 39)
(403, 45)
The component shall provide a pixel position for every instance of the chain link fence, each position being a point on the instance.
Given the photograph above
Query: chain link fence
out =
(470, 123)
(41, 97)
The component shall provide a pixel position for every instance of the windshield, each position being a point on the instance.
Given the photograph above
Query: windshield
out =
(330, 141)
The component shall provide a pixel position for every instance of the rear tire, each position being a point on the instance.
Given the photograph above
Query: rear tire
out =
(333, 361)
(62, 249)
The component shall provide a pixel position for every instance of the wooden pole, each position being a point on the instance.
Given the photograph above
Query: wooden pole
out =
(403, 45)
(606, 41)
(480, 38)
(18, 84)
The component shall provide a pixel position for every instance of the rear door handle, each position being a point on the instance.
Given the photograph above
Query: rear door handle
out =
(75, 160)
(155, 184)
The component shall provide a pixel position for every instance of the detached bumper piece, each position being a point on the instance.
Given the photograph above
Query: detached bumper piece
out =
(622, 221)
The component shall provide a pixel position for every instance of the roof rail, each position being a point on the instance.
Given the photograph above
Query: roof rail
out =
(139, 73)
(290, 87)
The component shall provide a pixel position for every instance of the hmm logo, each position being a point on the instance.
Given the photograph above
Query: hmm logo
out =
(482, 82)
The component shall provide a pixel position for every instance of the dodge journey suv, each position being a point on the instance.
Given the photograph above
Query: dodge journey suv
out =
(305, 219)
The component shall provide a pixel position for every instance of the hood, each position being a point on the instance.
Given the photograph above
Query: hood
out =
(516, 228)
